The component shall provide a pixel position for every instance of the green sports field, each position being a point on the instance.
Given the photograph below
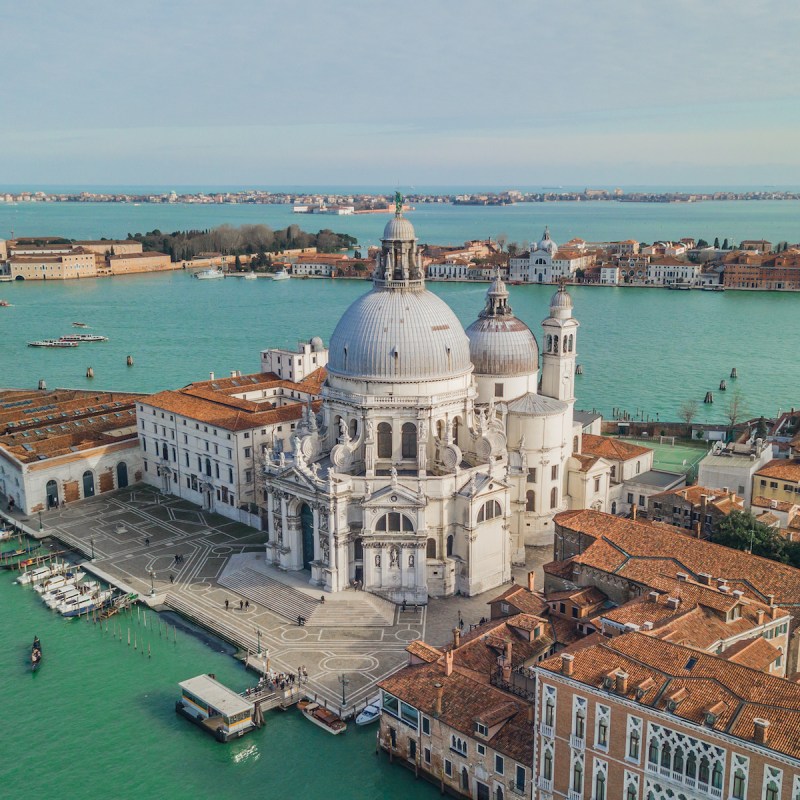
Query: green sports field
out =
(677, 458)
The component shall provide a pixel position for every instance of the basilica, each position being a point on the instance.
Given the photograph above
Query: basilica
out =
(437, 453)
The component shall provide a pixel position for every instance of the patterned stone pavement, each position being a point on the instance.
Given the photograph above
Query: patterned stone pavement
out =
(135, 535)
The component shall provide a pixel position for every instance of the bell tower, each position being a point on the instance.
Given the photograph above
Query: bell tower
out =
(399, 265)
(559, 341)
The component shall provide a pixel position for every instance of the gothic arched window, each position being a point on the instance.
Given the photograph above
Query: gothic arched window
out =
(450, 545)
(530, 500)
(384, 440)
(553, 497)
(409, 440)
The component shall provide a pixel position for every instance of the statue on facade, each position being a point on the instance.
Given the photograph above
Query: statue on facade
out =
(393, 474)
(411, 560)
(324, 546)
(423, 431)
(370, 428)
(394, 556)
(282, 459)
(344, 436)
(377, 559)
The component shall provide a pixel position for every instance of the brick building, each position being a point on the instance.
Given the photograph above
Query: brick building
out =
(692, 506)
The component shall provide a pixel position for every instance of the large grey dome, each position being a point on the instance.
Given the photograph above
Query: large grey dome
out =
(399, 228)
(499, 343)
(502, 346)
(399, 336)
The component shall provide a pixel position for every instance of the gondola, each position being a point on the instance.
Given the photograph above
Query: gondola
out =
(36, 654)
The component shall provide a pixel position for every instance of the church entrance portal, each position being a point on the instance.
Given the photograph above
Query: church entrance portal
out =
(307, 527)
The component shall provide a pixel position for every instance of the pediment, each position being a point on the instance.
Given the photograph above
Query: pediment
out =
(395, 497)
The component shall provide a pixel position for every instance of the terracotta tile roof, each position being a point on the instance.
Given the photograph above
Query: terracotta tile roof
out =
(693, 494)
(524, 601)
(614, 449)
(425, 652)
(782, 469)
(586, 462)
(737, 693)
(636, 549)
(765, 502)
(588, 596)
(464, 701)
(756, 653)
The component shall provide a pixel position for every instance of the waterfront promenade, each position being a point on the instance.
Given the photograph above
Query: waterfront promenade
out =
(132, 536)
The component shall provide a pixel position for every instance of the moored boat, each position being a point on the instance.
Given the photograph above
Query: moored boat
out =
(369, 714)
(322, 718)
(58, 581)
(209, 274)
(86, 605)
(51, 343)
(80, 325)
(250, 276)
(41, 574)
(281, 275)
(36, 654)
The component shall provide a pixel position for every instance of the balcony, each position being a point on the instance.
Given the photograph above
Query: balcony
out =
(577, 742)
(574, 795)
(546, 730)
(680, 779)
(545, 784)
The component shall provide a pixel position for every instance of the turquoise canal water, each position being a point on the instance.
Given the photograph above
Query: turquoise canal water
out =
(642, 350)
(98, 720)
(776, 220)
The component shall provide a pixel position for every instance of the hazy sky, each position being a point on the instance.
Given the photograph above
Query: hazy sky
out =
(417, 92)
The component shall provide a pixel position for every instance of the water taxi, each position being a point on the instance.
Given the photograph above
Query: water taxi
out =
(209, 274)
(215, 708)
(87, 604)
(58, 582)
(83, 337)
(370, 713)
(322, 718)
(52, 343)
(5, 304)
(41, 574)
(281, 275)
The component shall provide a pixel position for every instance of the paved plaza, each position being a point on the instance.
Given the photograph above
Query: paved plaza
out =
(213, 571)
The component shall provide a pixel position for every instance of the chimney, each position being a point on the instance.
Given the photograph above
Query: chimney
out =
(673, 602)
(567, 664)
(682, 576)
(634, 511)
(437, 709)
(738, 594)
(622, 682)
(211, 376)
(233, 373)
(760, 615)
(776, 612)
(704, 578)
(531, 581)
(703, 504)
(652, 597)
(771, 599)
(448, 663)
(456, 638)
(507, 653)
(721, 582)
(760, 730)
(647, 626)
(697, 529)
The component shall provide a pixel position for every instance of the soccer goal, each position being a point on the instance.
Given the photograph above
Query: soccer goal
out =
(670, 440)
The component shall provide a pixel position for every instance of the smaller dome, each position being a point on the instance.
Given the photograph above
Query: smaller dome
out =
(398, 228)
(317, 344)
(546, 243)
(561, 300)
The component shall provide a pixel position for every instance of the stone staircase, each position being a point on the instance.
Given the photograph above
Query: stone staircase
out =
(271, 594)
(354, 610)
(230, 633)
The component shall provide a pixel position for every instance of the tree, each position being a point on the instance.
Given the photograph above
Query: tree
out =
(702, 243)
(513, 249)
(742, 531)
(502, 240)
(688, 411)
(735, 408)
(725, 245)
(716, 242)
(761, 428)
(237, 264)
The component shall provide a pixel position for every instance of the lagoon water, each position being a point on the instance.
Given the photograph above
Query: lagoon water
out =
(98, 721)
(642, 350)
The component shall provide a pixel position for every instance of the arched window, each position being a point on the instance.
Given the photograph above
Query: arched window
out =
(630, 794)
(549, 340)
(353, 428)
(577, 777)
(548, 765)
(530, 500)
(456, 426)
(450, 545)
(666, 756)
(633, 746)
(600, 787)
(384, 440)
(489, 510)
(771, 792)
(498, 793)
(549, 712)
(409, 440)
(716, 776)
(553, 497)
(739, 787)
(614, 507)
(208, 467)
(703, 774)
(652, 753)
(555, 344)
(570, 343)
(691, 765)
(395, 523)
(430, 549)
(164, 453)
(677, 761)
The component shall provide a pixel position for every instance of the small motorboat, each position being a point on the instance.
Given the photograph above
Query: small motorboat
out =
(322, 718)
(250, 276)
(41, 574)
(80, 325)
(5, 304)
(209, 274)
(36, 654)
(86, 604)
(281, 275)
(370, 714)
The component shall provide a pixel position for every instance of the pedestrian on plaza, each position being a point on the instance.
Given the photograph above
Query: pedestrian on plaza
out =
(226, 603)
(404, 605)
(241, 605)
(247, 604)
(172, 579)
(322, 598)
(147, 541)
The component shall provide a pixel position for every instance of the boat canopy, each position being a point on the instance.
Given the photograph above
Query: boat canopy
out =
(220, 698)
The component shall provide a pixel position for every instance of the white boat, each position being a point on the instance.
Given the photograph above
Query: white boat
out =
(370, 714)
(51, 343)
(62, 595)
(6, 535)
(209, 274)
(281, 275)
(83, 337)
(88, 604)
(322, 718)
(57, 581)
(41, 574)
(250, 276)
(75, 594)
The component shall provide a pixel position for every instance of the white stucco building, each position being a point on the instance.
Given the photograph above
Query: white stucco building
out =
(439, 453)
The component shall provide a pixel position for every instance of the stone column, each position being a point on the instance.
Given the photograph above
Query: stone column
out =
(315, 516)
(270, 520)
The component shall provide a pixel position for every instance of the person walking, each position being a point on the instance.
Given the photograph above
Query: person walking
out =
(247, 604)
(172, 579)
(241, 605)
(227, 604)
